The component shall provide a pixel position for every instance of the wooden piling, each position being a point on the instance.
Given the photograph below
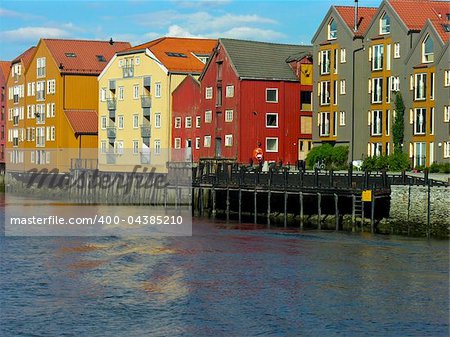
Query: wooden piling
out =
(319, 211)
(213, 202)
(353, 212)
(255, 207)
(336, 211)
(228, 205)
(268, 208)
(372, 214)
(285, 208)
(240, 205)
(301, 210)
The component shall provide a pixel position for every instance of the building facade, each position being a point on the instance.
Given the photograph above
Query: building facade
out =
(253, 95)
(4, 75)
(398, 53)
(136, 100)
(58, 104)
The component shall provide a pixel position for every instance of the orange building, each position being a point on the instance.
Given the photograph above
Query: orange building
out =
(57, 104)
(4, 74)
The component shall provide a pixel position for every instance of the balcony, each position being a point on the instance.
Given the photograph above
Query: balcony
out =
(146, 113)
(128, 71)
(145, 157)
(147, 82)
(16, 120)
(110, 158)
(146, 101)
(145, 131)
(112, 114)
(111, 132)
(112, 85)
(16, 98)
(16, 77)
(111, 103)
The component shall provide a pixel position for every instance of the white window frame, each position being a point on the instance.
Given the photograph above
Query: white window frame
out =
(420, 121)
(158, 89)
(325, 61)
(228, 115)
(342, 118)
(342, 87)
(208, 116)
(343, 55)
(388, 122)
(272, 114)
(135, 146)
(446, 78)
(157, 146)
(207, 141)
(447, 149)
(324, 93)
(332, 34)
(376, 123)
(324, 123)
(276, 142)
(136, 91)
(135, 121)
(198, 121)
(420, 86)
(157, 120)
(120, 122)
(103, 94)
(103, 122)
(229, 92)
(208, 93)
(377, 57)
(385, 28)
(121, 94)
(377, 90)
(276, 95)
(397, 50)
(188, 122)
(427, 57)
(177, 143)
(177, 122)
(197, 143)
(447, 114)
(228, 140)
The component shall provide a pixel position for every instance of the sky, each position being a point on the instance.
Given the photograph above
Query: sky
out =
(23, 23)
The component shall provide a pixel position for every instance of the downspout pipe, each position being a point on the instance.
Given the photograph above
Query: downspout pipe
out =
(353, 104)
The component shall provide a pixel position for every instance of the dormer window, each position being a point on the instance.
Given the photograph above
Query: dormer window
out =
(332, 30)
(385, 24)
(427, 50)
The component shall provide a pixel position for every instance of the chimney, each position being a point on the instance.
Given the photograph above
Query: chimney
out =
(111, 41)
(355, 27)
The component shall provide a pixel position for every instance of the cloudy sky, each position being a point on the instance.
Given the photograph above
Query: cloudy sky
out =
(22, 23)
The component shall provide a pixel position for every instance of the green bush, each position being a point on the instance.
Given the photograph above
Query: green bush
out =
(333, 157)
(394, 162)
(440, 168)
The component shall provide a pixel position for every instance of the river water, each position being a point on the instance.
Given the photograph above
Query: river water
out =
(235, 280)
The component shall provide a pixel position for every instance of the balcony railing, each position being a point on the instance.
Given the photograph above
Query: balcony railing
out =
(110, 158)
(111, 132)
(146, 101)
(112, 103)
(145, 131)
(146, 113)
(15, 120)
(145, 157)
(16, 98)
(112, 85)
(128, 71)
(147, 82)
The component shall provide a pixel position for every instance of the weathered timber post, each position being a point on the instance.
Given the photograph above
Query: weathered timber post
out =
(336, 211)
(353, 212)
(301, 210)
(319, 211)
(240, 205)
(213, 195)
(255, 206)
(372, 214)
(429, 209)
(285, 208)
(228, 204)
(268, 207)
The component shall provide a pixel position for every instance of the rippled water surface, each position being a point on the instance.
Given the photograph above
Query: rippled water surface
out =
(224, 281)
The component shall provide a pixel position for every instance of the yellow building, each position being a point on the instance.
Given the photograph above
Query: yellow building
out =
(57, 104)
(136, 100)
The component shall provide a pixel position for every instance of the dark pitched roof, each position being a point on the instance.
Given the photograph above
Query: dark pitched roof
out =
(262, 60)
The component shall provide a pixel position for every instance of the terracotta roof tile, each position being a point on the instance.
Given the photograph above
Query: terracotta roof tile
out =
(25, 57)
(439, 26)
(365, 15)
(5, 67)
(84, 122)
(80, 56)
(414, 13)
(184, 47)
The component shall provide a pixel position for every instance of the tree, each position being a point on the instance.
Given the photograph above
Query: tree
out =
(398, 128)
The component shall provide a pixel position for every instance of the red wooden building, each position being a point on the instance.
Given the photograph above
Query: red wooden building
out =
(253, 94)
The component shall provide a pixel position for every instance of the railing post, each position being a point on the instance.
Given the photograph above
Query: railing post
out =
(350, 175)
(404, 177)
(316, 177)
(330, 178)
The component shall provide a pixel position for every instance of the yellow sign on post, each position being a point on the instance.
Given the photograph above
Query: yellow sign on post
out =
(366, 196)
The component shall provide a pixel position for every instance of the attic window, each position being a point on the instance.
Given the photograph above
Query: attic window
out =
(100, 58)
(70, 54)
(385, 24)
(172, 54)
(202, 57)
(446, 28)
(332, 30)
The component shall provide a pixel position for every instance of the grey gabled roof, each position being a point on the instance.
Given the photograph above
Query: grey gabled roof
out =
(263, 60)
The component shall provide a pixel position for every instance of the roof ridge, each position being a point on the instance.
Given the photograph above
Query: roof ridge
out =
(83, 40)
(359, 7)
(265, 42)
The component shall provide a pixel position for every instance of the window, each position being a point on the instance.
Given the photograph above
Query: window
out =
(332, 30)
(271, 120)
(342, 118)
(419, 153)
(427, 50)
(335, 61)
(197, 143)
(157, 144)
(447, 78)
(40, 91)
(103, 123)
(136, 91)
(420, 86)
(377, 90)
(377, 123)
(272, 95)
(420, 121)
(377, 57)
(385, 24)
(177, 143)
(103, 147)
(40, 113)
(229, 91)
(305, 100)
(432, 121)
(272, 144)
(395, 83)
(51, 86)
(325, 93)
(40, 136)
(137, 61)
(325, 62)
(121, 93)
(377, 149)
(324, 124)
(103, 94)
(219, 96)
(120, 122)
(40, 65)
(228, 115)
(188, 122)
(209, 93)
(135, 146)
(432, 86)
(119, 147)
(207, 141)
(396, 50)
(447, 113)
(343, 87)
(177, 122)
(343, 56)
(388, 122)
(208, 116)
(446, 149)
(228, 140)
(135, 121)
(388, 57)
(158, 89)
(198, 121)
